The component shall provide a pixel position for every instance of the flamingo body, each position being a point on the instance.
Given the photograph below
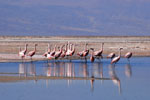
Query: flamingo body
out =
(111, 55)
(92, 56)
(86, 53)
(80, 54)
(128, 55)
(32, 53)
(23, 52)
(49, 56)
(114, 60)
(99, 52)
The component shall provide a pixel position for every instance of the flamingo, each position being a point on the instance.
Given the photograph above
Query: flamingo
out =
(72, 50)
(92, 55)
(99, 52)
(64, 52)
(32, 53)
(116, 59)
(128, 55)
(48, 51)
(58, 53)
(23, 52)
(111, 55)
(50, 55)
(68, 53)
(84, 53)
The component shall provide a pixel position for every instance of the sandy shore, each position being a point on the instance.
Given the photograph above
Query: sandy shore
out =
(140, 46)
(22, 78)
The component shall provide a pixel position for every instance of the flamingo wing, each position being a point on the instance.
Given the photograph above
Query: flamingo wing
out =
(31, 53)
(98, 53)
(114, 60)
(80, 54)
(52, 53)
(128, 55)
(111, 55)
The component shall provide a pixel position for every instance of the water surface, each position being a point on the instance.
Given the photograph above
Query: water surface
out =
(125, 81)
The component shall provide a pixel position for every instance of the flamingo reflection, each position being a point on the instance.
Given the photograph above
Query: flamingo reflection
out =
(114, 77)
(32, 69)
(92, 83)
(97, 69)
(128, 70)
(83, 69)
(22, 69)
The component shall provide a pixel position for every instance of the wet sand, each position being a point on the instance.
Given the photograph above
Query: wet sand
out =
(140, 46)
(22, 78)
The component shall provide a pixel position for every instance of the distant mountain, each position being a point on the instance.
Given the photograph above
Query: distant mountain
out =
(75, 17)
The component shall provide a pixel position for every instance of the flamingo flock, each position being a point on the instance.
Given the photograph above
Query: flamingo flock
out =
(68, 50)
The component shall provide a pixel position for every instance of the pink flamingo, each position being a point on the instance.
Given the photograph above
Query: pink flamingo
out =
(111, 55)
(48, 51)
(84, 53)
(128, 55)
(58, 53)
(72, 50)
(99, 52)
(23, 52)
(32, 53)
(68, 53)
(64, 52)
(116, 59)
(92, 55)
(50, 55)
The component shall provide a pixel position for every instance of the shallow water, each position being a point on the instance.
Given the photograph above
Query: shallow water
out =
(126, 81)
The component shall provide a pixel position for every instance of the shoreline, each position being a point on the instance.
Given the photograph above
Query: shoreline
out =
(138, 45)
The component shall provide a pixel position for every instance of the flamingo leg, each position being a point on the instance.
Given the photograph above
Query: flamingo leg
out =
(85, 59)
(128, 60)
(31, 59)
(101, 57)
(22, 59)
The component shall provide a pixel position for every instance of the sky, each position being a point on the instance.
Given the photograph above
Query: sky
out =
(75, 17)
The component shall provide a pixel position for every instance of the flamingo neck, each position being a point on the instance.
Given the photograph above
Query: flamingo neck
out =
(65, 47)
(85, 46)
(25, 47)
(73, 48)
(48, 48)
(61, 49)
(55, 48)
(19, 49)
(35, 48)
(70, 47)
(119, 52)
(102, 47)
